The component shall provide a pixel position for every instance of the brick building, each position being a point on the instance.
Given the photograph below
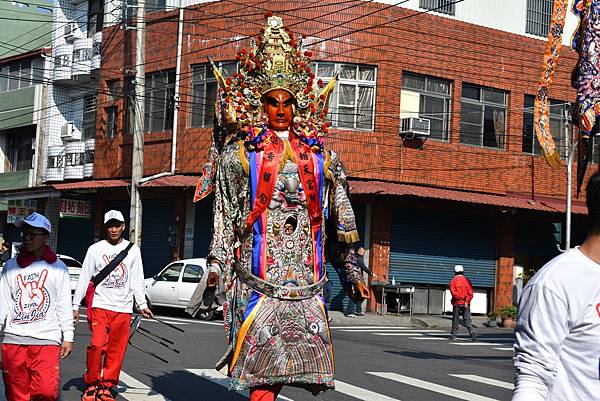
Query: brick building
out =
(475, 192)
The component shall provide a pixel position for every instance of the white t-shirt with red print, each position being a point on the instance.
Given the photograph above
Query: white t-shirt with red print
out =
(35, 302)
(558, 332)
(117, 291)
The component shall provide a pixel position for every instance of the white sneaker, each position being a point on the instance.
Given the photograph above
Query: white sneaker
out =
(352, 315)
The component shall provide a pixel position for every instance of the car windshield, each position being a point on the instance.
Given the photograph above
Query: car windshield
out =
(70, 262)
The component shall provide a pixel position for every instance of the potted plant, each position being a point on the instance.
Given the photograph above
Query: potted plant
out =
(508, 315)
(491, 322)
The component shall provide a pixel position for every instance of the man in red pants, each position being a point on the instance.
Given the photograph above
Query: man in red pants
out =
(111, 307)
(35, 316)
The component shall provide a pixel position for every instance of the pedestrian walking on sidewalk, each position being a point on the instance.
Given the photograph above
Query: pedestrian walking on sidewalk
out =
(462, 294)
(109, 305)
(35, 316)
(558, 321)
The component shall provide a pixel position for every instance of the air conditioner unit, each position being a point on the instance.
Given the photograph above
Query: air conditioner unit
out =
(414, 127)
(71, 31)
(67, 130)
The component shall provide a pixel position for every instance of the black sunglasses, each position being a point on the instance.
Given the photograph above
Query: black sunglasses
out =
(31, 235)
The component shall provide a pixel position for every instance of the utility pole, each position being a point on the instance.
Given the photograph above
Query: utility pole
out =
(569, 152)
(137, 163)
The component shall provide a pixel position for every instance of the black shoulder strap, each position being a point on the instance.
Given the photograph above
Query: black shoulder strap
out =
(111, 266)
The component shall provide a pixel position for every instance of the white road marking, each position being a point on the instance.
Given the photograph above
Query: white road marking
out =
(428, 338)
(475, 343)
(134, 390)
(486, 380)
(371, 327)
(222, 380)
(360, 393)
(504, 349)
(398, 334)
(402, 330)
(463, 395)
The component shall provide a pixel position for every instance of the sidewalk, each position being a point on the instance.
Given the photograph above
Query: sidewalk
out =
(424, 321)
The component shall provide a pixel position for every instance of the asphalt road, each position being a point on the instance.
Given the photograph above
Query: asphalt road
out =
(373, 363)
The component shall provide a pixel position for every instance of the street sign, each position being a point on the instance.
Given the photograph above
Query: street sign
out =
(19, 209)
(75, 208)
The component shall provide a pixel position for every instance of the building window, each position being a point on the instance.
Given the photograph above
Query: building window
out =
(557, 126)
(539, 14)
(21, 74)
(159, 101)
(483, 116)
(352, 103)
(204, 92)
(89, 117)
(112, 116)
(113, 87)
(19, 150)
(427, 97)
(440, 6)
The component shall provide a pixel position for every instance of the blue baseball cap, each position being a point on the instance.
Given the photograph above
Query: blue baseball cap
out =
(35, 220)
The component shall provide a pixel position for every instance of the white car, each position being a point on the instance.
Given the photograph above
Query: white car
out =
(174, 285)
(74, 267)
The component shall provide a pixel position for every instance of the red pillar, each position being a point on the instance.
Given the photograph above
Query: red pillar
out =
(506, 261)
(379, 250)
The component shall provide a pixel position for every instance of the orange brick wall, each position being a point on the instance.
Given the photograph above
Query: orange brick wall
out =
(454, 50)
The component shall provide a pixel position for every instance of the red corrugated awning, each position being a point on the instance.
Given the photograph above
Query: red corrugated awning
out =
(173, 181)
(398, 189)
(90, 184)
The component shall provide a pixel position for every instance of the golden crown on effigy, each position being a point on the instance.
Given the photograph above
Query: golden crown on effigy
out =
(275, 61)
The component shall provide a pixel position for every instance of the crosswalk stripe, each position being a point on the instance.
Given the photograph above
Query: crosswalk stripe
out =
(463, 395)
(403, 330)
(134, 390)
(504, 348)
(486, 380)
(222, 380)
(477, 343)
(398, 334)
(428, 338)
(360, 393)
(371, 327)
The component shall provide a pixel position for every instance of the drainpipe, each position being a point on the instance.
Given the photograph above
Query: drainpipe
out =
(176, 95)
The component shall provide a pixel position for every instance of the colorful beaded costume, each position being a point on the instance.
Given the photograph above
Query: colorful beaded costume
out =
(274, 199)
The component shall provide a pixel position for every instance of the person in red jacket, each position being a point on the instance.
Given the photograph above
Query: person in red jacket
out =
(462, 294)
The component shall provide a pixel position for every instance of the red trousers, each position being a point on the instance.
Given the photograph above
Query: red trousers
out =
(31, 372)
(265, 393)
(110, 334)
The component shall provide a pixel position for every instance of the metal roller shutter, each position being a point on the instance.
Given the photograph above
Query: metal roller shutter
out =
(536, 238)
(425, 245)
(157, 215)
(203, 226)
(339, 300)
(75, 235)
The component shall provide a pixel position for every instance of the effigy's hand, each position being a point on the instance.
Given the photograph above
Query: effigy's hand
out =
(362, 290)
(212, 280)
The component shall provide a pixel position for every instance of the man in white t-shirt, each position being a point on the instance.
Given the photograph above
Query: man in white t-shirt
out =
(35, 316)
(558, 323)
(112, 306)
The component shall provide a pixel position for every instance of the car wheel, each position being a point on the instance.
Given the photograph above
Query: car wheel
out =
(210, 315)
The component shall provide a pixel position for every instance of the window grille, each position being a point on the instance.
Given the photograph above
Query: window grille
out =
(539, 14)
(439, 6)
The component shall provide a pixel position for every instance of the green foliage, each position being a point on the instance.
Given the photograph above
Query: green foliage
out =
(492, 316)
(508, 312)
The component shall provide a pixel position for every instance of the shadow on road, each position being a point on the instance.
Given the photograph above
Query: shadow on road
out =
(76, 382)
(181, 385)
(432, 355)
